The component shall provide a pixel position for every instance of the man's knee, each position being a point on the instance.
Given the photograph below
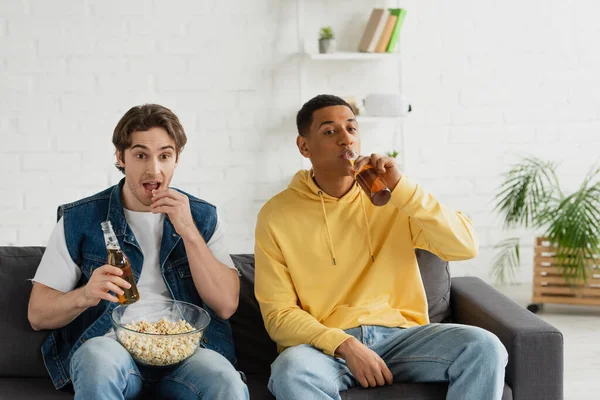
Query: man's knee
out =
(210, 370)
(100, 356)
(302, 369)
(488, 347)
(295, 362)
(225, 376)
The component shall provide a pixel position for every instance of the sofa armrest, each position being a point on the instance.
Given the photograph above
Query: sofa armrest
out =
(535, 348)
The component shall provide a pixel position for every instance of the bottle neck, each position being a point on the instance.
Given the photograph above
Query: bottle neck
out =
(111, 241)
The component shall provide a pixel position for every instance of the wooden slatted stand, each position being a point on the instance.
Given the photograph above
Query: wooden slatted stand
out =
(549, 285)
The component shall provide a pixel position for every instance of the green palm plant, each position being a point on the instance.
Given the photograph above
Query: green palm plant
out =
(530, 197)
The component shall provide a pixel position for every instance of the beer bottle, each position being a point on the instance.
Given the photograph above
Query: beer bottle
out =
(118, 259)
(370, 181)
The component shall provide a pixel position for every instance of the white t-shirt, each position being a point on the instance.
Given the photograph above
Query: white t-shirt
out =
(58, 271)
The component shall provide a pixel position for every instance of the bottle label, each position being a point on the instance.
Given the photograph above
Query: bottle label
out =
(109, 236)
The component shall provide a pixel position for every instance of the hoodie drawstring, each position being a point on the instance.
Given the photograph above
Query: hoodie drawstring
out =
(327, 226)
(362, 204)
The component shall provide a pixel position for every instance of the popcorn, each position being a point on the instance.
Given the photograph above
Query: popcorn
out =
(159, 350)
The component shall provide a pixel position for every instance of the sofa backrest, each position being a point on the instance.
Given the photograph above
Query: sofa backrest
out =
(20, 354)
(255, 350)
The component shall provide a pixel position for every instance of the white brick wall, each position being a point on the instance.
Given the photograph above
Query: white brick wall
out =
(488, 80)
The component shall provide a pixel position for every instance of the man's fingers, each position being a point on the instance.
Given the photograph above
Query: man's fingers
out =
(164, 201)
(115, 280)
(374, 159)
(361, 162)
(379, 378)
(387, 374)
(113, 288)
(160, 193)
(371, 379)
(156, 195)
(363, 381)
(109, 297)
(101, 292)
(167, 193)
(109, 273)
(109, 270)
(381, 163)
(162, 210)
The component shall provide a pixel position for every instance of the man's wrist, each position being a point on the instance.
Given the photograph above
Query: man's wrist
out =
(192, 236)
(393, 186)
(81, 300)
(345, 347)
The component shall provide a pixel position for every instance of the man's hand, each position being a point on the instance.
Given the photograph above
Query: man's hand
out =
(385, 166)
(103, 279)
(177, 206)
(366, 366)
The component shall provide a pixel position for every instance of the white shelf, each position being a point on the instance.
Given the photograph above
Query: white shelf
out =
(354, 56)
(307, 56)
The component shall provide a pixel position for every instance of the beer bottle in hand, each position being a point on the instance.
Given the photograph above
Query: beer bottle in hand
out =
(118, 259)
(370, 181)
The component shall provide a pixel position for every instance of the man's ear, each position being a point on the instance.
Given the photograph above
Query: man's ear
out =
(303, 146)
(120, 158)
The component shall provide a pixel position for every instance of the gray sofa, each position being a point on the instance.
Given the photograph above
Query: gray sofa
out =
(535, 348)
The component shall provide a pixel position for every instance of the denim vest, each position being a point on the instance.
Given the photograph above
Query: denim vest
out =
(86, 246)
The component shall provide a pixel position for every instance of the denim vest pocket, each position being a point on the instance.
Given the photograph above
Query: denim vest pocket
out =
(180, 270)
(184, 271)
(181, 266)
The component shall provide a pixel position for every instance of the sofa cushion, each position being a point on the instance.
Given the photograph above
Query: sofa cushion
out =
(21, 355)
(31, 389)
(435, 273)
(412, 391)
(255, 350)
(257, 386)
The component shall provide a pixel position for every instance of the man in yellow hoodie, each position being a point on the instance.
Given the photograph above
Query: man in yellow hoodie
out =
(338, 283)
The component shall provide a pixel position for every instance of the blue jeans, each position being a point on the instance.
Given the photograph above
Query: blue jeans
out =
(471, 359)
(102, 369)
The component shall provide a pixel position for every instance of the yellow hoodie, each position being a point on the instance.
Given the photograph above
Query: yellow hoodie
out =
(325, 264)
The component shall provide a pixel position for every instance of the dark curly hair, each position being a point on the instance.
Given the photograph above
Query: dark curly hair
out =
(304, 117)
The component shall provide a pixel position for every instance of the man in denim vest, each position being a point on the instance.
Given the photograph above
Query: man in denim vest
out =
(176, 247)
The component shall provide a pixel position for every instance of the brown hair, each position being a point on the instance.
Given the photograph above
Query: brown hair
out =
(143, 118)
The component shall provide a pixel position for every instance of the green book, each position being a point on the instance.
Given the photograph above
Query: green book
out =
(401, 13)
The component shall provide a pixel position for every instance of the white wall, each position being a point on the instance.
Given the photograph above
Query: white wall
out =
(489, 80)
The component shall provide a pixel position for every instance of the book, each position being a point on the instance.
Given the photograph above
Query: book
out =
(386, 35)
(401, 14)
(373, 30)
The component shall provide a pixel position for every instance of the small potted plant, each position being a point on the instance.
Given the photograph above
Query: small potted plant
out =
(326, 40)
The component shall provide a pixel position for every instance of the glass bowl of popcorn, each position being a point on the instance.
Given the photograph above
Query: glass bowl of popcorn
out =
(160, 333)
